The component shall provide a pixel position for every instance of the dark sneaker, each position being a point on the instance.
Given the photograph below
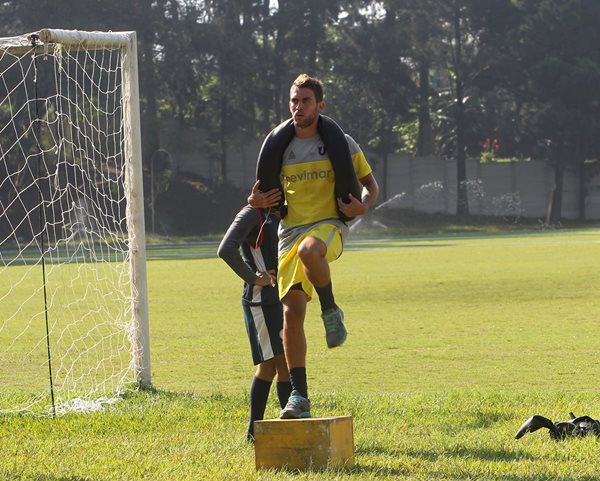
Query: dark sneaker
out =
(335, 331)
(297, 407)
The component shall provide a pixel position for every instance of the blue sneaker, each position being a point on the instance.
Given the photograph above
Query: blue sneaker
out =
(297, 407)
(335, 331)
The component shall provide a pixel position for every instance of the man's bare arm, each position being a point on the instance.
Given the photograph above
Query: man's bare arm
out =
(356, 207)
(263, 200)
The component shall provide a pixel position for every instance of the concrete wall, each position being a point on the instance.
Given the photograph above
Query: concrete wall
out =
(428, 184)
(516, 188)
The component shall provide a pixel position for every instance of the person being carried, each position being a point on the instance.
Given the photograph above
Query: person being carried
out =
(312, 232)
(249, 247)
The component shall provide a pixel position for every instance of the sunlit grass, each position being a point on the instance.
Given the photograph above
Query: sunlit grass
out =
(417, 436)
(448, 314)
(452, 344)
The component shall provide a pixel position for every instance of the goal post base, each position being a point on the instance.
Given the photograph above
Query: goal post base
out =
(305, 444)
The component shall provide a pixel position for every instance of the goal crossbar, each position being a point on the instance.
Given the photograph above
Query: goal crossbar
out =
(67, 39)
(86, 39)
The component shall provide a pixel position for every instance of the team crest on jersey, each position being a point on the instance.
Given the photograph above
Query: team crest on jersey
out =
(322, 150)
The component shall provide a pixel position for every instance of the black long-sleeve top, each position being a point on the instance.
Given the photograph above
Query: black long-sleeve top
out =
(250, 246)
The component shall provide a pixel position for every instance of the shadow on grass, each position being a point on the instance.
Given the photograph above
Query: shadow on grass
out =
(491, 454)
(430, 458)
(136, 394)
(433, 475)
(50, 477)
(483, 454)
(482, 420)
(354, 470)
(381, 471)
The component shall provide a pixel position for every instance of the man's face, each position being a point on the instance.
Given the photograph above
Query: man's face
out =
(304, 107)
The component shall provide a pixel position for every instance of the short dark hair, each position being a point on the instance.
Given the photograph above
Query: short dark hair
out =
(305, 81)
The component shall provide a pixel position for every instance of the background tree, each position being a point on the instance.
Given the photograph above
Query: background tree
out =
(421, 22)
(426, 76)
(369, 84)
(559, 39)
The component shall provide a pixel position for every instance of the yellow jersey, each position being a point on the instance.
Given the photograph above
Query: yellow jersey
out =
(308, 180)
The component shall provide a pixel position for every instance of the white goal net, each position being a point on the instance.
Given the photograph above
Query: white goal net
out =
(73, 308)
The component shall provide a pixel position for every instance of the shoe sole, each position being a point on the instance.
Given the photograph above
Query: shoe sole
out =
(287, 415)
(338, 343)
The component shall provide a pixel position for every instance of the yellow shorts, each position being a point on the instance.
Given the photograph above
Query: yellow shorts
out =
(290, 270)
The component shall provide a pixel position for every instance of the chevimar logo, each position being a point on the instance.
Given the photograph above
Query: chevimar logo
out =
(307, 175)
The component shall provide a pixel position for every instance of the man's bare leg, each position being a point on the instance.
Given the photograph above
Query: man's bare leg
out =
(312, 253)
(294, 339)
(294, 346)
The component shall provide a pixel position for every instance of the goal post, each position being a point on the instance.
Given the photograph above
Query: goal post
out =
(133, 151)
(73, 300)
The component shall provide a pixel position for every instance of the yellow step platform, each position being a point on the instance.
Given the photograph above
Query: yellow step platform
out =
(313, 443)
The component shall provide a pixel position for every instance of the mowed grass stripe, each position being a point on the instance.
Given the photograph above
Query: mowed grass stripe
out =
(489, 313)
(508, 316)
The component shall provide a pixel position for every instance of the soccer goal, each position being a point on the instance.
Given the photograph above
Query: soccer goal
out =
(73, 299)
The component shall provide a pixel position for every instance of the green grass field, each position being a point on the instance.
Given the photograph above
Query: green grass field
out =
(453, 343)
